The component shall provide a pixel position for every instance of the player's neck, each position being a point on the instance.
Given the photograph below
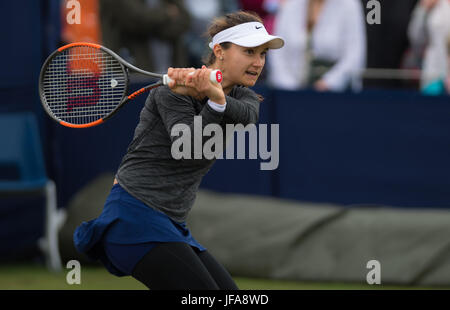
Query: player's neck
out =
(227, 87)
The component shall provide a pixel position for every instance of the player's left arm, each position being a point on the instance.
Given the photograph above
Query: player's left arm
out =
(244, 107)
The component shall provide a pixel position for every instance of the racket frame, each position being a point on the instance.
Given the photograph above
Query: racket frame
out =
(216, 76)
(125, 66)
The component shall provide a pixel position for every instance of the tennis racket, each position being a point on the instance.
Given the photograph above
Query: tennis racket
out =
(83, 84)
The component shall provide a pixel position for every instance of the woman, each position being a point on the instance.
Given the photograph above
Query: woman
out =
(326, 45)
(142, 230)
(429, 31)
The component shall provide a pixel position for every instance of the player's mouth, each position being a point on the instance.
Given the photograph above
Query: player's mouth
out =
(252, 73)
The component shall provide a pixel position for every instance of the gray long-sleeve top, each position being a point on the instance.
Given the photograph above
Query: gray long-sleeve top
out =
(150, 173)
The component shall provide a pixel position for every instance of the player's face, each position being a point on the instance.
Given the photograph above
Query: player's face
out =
(243, 65)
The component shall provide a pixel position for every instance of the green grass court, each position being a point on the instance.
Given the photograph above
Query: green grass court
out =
(37, 277)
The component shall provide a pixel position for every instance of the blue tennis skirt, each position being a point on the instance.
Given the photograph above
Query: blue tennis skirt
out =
(125, 231)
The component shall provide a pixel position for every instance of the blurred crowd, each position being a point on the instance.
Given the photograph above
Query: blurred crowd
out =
(330, 44)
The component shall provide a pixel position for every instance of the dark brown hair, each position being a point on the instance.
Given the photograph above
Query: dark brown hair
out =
(224, 22)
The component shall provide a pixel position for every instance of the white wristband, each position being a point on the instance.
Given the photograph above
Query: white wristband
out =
(217, 107)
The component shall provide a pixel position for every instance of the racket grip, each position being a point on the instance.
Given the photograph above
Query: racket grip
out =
(215, 77)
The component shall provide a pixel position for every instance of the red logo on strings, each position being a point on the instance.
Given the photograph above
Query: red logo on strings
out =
(83, 74)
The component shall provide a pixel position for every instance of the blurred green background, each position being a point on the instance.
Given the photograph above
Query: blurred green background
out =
(35, 276)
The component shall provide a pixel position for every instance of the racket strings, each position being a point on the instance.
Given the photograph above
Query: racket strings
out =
(83, 84)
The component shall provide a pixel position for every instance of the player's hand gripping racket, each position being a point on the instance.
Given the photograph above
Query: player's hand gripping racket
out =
(83, 84)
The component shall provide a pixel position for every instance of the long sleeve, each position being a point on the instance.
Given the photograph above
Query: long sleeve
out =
(136, 18)
(417, 31)
(243, 108)
(353, 58)
(175, 110)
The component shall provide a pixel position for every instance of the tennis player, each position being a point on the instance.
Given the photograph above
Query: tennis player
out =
(142, 230)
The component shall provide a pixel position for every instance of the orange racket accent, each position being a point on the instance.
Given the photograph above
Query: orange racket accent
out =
(97, 122)
(137, 93)
(79, 44)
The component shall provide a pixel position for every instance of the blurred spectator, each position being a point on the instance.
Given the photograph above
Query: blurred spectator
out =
(202, 13)
(89, 28)
(325, 45)
(387, 42)
(266, 9)
(147, 33)
(429, 30)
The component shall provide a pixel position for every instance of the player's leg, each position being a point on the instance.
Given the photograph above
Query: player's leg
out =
(217, 271)
(174, 266)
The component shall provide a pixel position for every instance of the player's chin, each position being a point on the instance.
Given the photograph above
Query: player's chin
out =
(249, 82)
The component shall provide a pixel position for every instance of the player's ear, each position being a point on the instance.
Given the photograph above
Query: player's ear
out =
(218, 51)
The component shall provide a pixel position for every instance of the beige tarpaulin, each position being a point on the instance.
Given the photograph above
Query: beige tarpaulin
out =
(272, 238)
(265, 237)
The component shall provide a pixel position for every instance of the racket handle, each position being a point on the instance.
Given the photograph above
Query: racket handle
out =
(215, 77)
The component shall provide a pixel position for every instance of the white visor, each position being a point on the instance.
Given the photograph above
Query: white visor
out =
(250, 34)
